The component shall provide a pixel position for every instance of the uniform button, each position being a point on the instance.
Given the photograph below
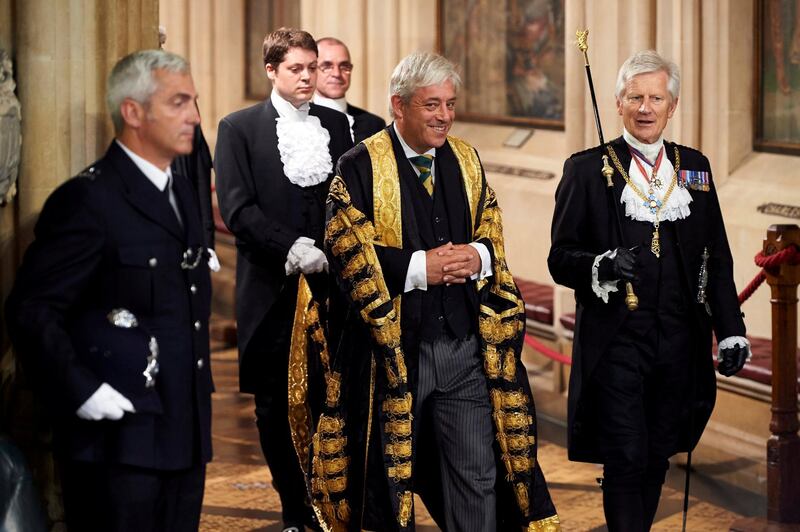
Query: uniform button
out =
(193, 289)
(189, 252)
(200, 363)
(441, 318)
(153, 262)
(440, 239)
(436, 219)
(197, 325)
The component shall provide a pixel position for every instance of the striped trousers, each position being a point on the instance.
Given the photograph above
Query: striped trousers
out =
(453, 402)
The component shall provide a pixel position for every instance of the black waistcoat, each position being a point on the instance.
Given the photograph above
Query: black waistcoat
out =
(445, 309)
(661, 287)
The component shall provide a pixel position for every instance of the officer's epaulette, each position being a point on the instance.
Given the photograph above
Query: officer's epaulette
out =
(90, 172)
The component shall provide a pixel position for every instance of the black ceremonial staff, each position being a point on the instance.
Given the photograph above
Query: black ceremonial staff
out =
(582, 37)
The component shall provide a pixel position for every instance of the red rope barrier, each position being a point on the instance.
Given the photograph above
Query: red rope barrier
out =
(546, 351)
(789, 255)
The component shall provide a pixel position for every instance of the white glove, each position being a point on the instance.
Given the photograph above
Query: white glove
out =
(213, 261)
(105, 403)
(305, 257)
(313, 261)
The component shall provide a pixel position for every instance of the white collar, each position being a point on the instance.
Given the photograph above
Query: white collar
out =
(650, 151)
(286, 109)
(337, 104)
(408, 150)
(158, 177)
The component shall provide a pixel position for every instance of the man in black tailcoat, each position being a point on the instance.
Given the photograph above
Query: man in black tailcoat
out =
(333, 82)
(109, 314)
(274, 163)
(642, 386)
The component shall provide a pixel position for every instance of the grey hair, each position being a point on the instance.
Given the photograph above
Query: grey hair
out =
(421, 69)
(132, 77)
(644, 62)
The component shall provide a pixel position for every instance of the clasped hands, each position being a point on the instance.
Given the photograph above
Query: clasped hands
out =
(451, 264)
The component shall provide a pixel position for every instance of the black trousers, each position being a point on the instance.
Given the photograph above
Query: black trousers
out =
(272, 413)
(640, 389)
(121, 498)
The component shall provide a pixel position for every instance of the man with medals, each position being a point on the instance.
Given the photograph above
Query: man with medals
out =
(429, 394)
(109, 314)
(642, 386)
(274, 163)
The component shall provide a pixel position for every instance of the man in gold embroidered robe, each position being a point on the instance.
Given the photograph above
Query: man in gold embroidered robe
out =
(425, 333)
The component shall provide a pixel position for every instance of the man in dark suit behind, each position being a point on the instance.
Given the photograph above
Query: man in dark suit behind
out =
(109, 314)
(333, 81)
(642, 385)
(274, 163)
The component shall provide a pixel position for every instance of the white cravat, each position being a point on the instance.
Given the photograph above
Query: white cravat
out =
(303, 143)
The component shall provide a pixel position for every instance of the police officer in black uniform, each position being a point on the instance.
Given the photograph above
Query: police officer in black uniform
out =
(109, 314)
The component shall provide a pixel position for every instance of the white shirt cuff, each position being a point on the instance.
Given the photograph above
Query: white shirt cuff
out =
(603, 288)
(417, 273)
(486, 262)
(213, 260)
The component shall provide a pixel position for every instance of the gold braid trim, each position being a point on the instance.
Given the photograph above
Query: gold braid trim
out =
(548, 524)
(361, 274)
(299, 413)
(386, 217)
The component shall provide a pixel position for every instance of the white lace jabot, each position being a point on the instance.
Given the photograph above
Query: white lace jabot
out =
(302, 143)
(676, 207)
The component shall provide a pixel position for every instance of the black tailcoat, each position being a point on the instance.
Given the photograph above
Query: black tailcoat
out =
(109, 239)
(267, 213)
(365, 124)
(584, 226)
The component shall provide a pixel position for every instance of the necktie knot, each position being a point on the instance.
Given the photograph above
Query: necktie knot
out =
(423, 163)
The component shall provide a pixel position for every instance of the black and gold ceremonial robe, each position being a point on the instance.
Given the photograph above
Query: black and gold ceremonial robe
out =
(365, 457)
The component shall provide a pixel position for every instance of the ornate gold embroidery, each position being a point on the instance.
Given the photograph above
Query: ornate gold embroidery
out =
(333, 387)
(514, 399)
(516, 420)
(299, 413)
(510, 366)
(332, 466)
(491, 362)
(344, 244)
(327, 424)
(549, 524)
(398, 406)
(385, 191)
(401, 427)
(521, 491)
(519, 442)
(400, 450)
(332, 445)
(400, 471)
(406, 508)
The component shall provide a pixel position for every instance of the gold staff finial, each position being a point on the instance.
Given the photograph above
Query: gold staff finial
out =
(582, 36)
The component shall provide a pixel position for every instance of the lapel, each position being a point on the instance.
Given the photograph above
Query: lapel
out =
(190, 211)
(409, 200)
(266, 142)
(455, 196)
(681, 227)
(141, 193)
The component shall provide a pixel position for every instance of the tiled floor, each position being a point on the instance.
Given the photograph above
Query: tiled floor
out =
(239, 494)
